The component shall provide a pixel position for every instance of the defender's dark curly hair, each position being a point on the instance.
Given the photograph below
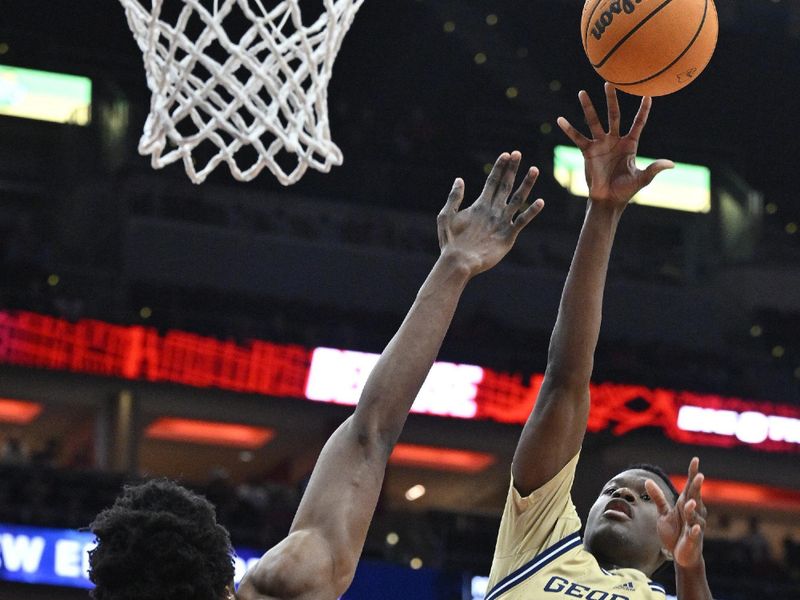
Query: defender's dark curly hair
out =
(159, 541)
(662, 474)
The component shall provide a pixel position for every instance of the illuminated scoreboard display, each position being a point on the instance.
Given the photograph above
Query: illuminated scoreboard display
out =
(686, 187)
(338, 376)
(45, 96)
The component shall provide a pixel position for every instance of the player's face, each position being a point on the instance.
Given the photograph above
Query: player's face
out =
(621, 527)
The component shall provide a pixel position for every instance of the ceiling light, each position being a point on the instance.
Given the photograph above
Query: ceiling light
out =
(18, 411)
(440, 459)
(415, 493)
(209, 432)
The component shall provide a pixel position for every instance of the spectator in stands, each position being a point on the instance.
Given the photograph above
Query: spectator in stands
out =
(161, 541)
(82, 456)
(14, 452)
(221, 493)
(48, 455)
(791, 556)
(756, 545)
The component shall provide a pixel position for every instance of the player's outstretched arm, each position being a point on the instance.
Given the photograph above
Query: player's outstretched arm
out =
(681, 528)
(554, 431)
(318, 558)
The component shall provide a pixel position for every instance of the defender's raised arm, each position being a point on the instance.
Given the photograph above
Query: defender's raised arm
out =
(318, 558)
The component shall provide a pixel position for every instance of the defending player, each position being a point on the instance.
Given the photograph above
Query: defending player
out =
(638, 521)
(160, 541)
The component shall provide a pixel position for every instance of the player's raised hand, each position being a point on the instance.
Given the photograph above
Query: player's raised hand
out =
(481, 235)
(610, 159)
(681, 527)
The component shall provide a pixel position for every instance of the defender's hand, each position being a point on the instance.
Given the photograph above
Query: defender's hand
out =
(610, 160)
(481, 235)
(681, 527)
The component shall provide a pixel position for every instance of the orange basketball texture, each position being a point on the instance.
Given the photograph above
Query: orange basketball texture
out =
(649, 47)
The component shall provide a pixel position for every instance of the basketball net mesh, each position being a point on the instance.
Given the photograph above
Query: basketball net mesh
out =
(265, 92)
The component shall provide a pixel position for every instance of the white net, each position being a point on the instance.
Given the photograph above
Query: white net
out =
(234, 81)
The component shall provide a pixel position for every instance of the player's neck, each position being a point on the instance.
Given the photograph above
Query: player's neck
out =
(612, 565)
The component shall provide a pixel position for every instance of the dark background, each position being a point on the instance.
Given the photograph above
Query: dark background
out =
(336, 259)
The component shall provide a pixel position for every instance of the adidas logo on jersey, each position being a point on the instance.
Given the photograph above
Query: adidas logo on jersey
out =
(628, 586)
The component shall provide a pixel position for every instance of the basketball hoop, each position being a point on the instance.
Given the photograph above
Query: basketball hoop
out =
(258, 98)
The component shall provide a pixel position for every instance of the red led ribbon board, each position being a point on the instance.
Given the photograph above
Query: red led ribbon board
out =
(135, 352)
(282, 370)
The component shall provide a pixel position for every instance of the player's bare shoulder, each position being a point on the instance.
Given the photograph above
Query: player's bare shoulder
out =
(301, 567)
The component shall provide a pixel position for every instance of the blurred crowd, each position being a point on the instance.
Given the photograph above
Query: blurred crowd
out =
(36, 490)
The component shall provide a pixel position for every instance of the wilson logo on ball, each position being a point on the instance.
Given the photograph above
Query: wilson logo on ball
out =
(615, 8)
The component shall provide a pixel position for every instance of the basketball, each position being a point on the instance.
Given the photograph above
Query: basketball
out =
(649, 47)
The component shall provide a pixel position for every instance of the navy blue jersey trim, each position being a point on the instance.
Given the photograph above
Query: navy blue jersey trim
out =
(657, 587)
(537, 563)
